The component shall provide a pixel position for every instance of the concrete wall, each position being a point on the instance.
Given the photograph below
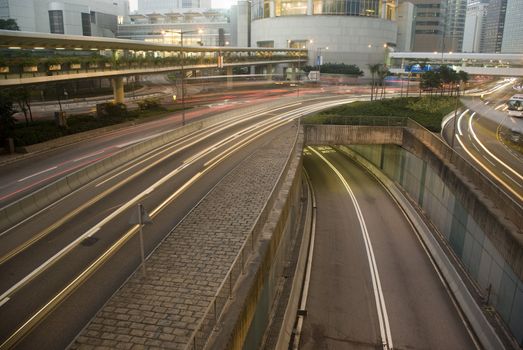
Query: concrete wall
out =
(343, 134)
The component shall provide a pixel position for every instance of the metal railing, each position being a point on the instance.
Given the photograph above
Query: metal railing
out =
(203, 330)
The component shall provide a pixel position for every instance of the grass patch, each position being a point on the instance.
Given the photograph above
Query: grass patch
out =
(427, 111)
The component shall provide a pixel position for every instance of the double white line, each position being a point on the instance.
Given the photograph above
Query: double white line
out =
(386, 338)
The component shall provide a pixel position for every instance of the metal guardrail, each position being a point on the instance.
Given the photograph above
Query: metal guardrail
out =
(200, 335)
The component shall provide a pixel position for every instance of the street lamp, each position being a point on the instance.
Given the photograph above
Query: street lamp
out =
(182, 32)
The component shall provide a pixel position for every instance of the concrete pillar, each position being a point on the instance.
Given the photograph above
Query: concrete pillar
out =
(270, 71)
(118, 91)
(229, 77)
(294, 69)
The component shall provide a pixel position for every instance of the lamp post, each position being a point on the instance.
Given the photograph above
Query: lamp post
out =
(182, 32)
(320, 58)
(299, 68)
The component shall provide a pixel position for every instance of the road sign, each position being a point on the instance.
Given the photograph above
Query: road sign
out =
(140, 216)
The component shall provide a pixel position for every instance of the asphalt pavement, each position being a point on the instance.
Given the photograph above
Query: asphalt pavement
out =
(345, 300)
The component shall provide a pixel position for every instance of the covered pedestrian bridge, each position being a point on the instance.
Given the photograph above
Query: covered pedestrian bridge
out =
(506, 65)
(40, 58)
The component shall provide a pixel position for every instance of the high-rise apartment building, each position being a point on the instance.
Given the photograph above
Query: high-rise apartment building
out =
(494, 25)
(513, 32)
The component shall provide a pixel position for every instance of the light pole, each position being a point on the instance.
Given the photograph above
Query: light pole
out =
(320, 58)
(182, 32)
(299, 67)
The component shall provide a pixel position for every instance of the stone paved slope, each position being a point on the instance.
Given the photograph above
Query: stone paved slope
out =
(184, 273)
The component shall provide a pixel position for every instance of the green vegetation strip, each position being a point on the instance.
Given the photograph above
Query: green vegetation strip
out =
(427, 111)
(45, 130)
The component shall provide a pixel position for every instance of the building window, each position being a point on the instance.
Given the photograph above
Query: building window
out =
(368, 8)
(56, 21)
(266, 43)
(93, 17)
(290, 7)
(86, 24)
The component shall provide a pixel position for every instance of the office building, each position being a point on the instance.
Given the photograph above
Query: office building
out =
(72, 17)
(476, 12)
(166, 6)
(494, 25)
(513, 31)
(206, 28)
(337, 31)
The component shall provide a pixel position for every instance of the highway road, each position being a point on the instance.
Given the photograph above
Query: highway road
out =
(58, 267)
(24, 176)
(372, 284)
(475, 135)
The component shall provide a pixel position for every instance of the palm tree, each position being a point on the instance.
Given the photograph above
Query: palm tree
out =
(383, 71)
(373, 68)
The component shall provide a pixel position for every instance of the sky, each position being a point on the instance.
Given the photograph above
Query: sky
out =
(215, 4)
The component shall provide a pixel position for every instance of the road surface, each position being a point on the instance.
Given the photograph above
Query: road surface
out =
(372, 284)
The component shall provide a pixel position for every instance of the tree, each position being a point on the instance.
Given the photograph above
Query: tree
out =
(383, 72)
(430, 81)
(463, 78)
(7, 119)
(9, 24)
(22, 97)
(373, 68)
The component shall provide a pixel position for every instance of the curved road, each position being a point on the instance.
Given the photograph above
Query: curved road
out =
(372, 284)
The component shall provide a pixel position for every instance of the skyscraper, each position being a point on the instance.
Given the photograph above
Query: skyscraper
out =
(476, 11)
(513, 32)
(494, 25)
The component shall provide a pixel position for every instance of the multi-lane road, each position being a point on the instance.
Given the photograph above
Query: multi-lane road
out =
(475, 134)
(59, 266)
(372, 284)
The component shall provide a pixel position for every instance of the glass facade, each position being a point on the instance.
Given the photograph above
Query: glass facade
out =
(86, 24)
(368, 8)
(56, 21)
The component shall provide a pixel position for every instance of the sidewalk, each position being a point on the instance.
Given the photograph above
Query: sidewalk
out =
(184, 273)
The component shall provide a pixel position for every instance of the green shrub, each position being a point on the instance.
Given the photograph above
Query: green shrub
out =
(149, 103)
(426, 110)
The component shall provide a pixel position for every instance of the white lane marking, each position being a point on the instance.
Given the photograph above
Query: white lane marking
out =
(490, 153)
(489, 171)
(132, 142)
(499, 107)
(38, 173)
(5, 300)
(383, 318)
(507, 175)
(460, 132)
(88, 156)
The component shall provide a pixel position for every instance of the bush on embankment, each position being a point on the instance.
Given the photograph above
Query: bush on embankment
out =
(427, 111)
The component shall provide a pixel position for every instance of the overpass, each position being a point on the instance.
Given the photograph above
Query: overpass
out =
(41, 58)
(507, 65)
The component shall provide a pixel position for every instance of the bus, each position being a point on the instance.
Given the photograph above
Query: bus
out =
(515, 105)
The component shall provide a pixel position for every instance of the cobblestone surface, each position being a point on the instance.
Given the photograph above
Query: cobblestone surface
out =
(162, 310)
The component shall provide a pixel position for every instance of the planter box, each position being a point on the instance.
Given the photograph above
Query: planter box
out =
(75, 66)
(55, 67)
(4, 69)
(30, 69)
